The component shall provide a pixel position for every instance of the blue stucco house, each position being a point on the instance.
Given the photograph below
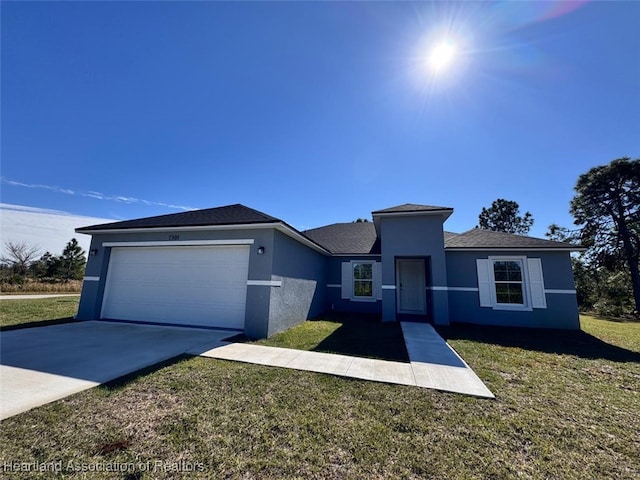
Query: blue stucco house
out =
(237, 268)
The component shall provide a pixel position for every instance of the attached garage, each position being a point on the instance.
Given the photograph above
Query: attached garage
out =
(229, 267)
(196, 285)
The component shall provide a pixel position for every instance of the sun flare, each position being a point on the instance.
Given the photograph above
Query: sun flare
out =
(441, 57)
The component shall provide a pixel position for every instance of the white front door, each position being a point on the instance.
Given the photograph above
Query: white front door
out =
(410, 286)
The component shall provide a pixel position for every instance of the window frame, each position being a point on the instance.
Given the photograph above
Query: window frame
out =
(360, 298)
(526, 296)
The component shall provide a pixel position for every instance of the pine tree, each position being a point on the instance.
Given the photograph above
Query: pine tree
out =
(72, 261)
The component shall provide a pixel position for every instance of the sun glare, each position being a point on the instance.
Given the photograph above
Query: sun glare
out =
(442, 56)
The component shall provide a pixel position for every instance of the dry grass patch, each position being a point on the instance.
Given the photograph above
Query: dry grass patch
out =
(31, 286)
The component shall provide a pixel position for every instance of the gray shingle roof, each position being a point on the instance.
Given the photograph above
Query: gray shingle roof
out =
(412, 207)
(338, 238)
(346, 238)
(479, 238)
(228, 215)
(449, 235)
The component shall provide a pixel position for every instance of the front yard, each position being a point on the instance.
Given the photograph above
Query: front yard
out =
(34, 311)
(567, 407)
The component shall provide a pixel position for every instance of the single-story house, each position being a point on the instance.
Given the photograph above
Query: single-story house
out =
(237, 268)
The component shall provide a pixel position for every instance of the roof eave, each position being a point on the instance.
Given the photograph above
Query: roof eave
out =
(446, 212)
(161, 228)
(280, 226)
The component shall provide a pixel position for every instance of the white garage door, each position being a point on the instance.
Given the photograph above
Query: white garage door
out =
(201, 286)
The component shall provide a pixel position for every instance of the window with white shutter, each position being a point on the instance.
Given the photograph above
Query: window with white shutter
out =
(510, 283)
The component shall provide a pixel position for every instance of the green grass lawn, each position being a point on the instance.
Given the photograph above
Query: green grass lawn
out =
(567, 407)
(38, 312)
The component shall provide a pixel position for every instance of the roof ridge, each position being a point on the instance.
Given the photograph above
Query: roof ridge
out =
(506, 235)
(499, 232)
(255, 211)
(412, 208)
(337, 223)
(224, 215)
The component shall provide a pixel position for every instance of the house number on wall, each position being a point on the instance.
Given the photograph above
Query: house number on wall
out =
(174, 237)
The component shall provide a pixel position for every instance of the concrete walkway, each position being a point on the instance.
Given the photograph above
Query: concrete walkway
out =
(36, 296)
(433, 364)
(436, 365)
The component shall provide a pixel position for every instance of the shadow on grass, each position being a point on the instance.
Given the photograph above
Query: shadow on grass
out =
(37, 323)
(608, 318)
(364, 336)
(564, 342)
(123, 381)
(357, 336)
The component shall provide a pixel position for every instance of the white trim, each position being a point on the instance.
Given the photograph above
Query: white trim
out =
(463, 289)
(179, 243)
(388, 287)
(90, 279)
(513, 307)
(265, 283)
(334, 285)
(565, 292)
(351, 255)
(452, 289)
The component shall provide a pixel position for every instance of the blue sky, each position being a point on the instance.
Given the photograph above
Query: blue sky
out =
(313, 112)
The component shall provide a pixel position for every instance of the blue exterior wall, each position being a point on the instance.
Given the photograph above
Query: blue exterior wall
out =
(334, 300)
(303, 273)
(562, 308)
(311, 281)
(414, 236)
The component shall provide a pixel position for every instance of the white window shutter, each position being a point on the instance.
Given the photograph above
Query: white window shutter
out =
(347, 280)
(377, 280)
(484, 282)
(536, 283)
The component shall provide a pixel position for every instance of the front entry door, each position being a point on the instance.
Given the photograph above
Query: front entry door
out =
(411, 286)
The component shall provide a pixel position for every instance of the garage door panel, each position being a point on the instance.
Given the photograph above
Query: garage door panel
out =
(203, 286)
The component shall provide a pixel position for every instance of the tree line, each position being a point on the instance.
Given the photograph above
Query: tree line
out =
(22, 262)
(606, 212)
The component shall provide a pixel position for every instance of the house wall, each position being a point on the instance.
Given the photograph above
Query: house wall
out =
(562, 307)
(334, 300)
(414, 236)
(303, 273)
(260, 267)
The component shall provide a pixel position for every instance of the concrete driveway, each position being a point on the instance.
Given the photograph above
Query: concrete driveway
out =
(43, 364)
